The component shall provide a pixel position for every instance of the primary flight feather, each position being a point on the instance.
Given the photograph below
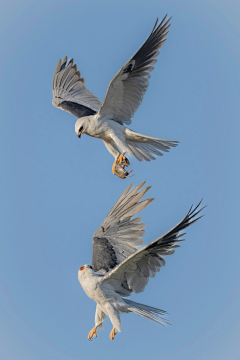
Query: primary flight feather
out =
(124, 95)
(118, 268)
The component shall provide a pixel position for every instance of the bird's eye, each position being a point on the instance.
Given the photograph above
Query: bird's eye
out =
(90, 267)
(81, 268)
(80, 129)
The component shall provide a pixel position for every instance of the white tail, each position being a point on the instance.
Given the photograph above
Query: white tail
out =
(145, 147)
(148, 312)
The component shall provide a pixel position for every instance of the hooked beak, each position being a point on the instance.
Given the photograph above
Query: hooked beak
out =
(80, 133)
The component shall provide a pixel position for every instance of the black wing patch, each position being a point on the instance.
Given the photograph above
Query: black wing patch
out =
(129, 67)
(104, 257)
(76, 109)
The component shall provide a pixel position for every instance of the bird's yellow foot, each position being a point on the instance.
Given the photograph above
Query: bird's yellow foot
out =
(113, 167)
(119, 164)
(91, 333)
(113, 333)
(121, 157)
(123, 160)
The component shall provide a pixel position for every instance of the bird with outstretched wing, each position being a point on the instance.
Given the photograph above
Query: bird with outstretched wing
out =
(125, 93)
(118, 268)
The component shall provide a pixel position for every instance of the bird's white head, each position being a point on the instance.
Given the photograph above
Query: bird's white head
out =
(88, 280)
(84, 271)
(81, 126)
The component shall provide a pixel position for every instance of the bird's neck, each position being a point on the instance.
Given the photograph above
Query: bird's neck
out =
(89, 283)
(88, 123)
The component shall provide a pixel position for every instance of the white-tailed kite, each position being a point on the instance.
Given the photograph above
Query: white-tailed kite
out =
(125, 92)
(118, 268)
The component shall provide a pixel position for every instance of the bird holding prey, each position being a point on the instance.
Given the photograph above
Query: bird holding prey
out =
(108, 120)
(118, 268)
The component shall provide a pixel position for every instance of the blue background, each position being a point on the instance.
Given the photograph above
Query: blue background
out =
(57, 189)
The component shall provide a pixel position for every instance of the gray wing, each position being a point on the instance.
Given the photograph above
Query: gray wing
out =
(136, 270)
(118, 236)
(127, 88)
(69, 92)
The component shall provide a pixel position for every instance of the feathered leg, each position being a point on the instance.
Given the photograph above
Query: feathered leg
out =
(114, 318)
(112, 148)
(99, 319)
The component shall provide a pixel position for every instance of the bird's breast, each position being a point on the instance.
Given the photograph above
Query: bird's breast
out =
(100, 129)
(91, 287)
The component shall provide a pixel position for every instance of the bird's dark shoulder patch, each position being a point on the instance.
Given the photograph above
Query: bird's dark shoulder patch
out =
(129, 68)
(104, 256)
(76, 109)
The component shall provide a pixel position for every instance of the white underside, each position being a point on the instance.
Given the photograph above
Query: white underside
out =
(118, 138)
(110, 303)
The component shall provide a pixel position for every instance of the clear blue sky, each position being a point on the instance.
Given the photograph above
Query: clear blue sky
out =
(57, 189)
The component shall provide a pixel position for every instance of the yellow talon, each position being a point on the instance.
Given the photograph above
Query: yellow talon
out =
(113, 333)
(121, 157)
(119, 165)
(92, 332)
(113, 167)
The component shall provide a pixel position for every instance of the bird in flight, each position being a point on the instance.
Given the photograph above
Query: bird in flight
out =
(125, 92)
(118, 268)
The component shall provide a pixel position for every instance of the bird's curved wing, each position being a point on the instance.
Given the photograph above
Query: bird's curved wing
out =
(69, 92)
(127, 88)
(136, 270)
(118, 236)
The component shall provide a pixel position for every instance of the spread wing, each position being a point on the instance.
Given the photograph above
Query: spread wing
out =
(118, 236)
(136, 270)
(69, 92)
(127, 88)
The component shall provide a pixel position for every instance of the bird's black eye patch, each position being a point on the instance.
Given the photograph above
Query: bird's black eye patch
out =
(80, 129)
(90, 267)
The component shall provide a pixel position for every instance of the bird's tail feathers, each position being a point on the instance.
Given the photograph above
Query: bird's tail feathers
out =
(145, 147)
(148, 312)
